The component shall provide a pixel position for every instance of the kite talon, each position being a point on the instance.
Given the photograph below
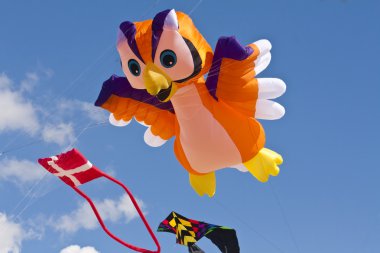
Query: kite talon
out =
(203, 184)
(264, 164)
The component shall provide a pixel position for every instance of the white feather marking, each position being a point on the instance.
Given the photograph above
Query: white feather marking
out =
(262, 63)
(264, 46)
(142, 123)
(153, 140)
(118, 123)
(270, 88)
(269, 110)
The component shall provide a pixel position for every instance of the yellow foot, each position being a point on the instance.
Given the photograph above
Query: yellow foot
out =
(203, 184)
(264, 164)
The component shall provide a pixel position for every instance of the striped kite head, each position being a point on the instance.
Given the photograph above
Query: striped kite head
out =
(163, 54)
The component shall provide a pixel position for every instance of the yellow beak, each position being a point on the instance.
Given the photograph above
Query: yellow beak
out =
(157, 83)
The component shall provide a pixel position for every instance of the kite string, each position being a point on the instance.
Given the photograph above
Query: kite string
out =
(88, 126)
(73, 82)
(213, 73)
(60, 95)
(284, 217)
(99, 123)
(32, 198)
(233, 214)
(31, 191)
(195, 7)
(32, 143)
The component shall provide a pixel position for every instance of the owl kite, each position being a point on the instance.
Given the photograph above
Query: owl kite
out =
(213, 119)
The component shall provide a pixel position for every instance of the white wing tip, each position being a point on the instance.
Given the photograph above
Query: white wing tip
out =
(262, 62)
(118, 123)
(142, 123)
(269, 110)
(263, 45)
(270, 88)
(153, 140)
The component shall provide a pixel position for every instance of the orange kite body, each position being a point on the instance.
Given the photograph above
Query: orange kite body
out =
(214, 120)
(206, 126)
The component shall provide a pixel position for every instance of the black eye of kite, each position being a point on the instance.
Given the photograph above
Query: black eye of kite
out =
(134, 67)
(168, 58)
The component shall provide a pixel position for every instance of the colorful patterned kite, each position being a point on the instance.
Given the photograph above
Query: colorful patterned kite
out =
(189, 231)
(74, 169)
(214, 120)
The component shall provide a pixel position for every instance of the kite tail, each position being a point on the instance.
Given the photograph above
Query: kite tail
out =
(101, 222)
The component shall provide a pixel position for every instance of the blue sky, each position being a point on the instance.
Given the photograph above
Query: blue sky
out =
(54, 58)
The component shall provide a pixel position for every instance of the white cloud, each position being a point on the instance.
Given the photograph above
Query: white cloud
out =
(95, 113)
(11, 235)
(92, 112)
(20, 171)
(16, 112)
(78, 249)
(29, 82)
(60, 134)
(5, 82)
(110, 210)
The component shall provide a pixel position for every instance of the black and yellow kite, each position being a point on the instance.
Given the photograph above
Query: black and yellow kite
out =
(189, 231)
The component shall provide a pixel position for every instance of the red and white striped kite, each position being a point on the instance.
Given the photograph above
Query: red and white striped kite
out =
(74, 169)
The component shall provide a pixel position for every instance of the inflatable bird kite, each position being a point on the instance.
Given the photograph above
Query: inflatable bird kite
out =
(213, 119)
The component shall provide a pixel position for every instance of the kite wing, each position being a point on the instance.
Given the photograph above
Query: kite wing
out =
(125, 102)
(189, 231)
(225, 239)
(74, 169)
(71, 167)
(195, 249)
(232, 78)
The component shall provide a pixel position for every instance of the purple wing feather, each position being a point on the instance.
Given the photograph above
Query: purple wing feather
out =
(119, 86)
(226, 47)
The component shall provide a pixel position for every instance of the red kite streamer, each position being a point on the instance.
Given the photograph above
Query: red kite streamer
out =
(74, 169)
